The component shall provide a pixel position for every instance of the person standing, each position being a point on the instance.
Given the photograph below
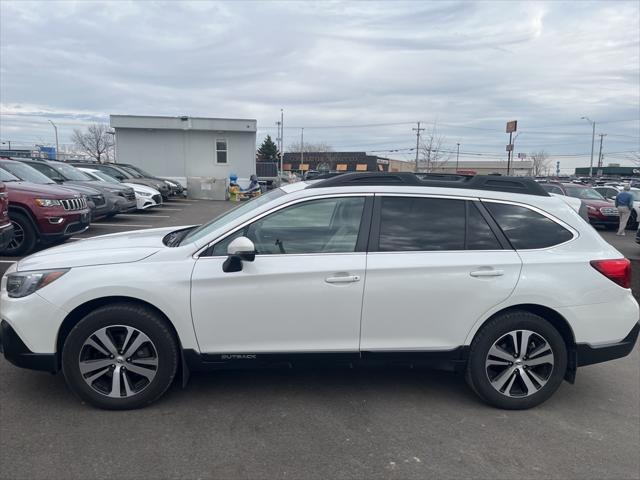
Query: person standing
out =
(624, 203)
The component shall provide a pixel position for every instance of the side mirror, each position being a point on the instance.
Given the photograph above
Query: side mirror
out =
(239, 250)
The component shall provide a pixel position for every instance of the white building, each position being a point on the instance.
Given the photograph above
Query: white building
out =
(196, 150)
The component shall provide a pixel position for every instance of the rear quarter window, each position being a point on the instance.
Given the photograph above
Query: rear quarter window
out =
(526, 228)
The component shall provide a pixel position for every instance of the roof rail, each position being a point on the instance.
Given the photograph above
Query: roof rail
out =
(474, 182)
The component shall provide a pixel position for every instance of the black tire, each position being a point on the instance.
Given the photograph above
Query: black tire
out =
(112, 316)
(25, 236)
(477, 374)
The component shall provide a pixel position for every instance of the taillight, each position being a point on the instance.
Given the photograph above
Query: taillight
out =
(618, 270)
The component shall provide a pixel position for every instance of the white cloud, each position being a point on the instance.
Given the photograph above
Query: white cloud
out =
(469, 65)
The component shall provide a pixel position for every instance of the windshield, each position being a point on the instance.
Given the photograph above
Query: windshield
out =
(7, 177)
(27, 173)
(103, 176)
(71, 173)
(583, 193)
(141, 171)
(131, 171)
(205, 229)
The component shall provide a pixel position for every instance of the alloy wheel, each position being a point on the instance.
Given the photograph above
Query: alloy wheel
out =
(118, 361)
(18, 236)
(519, 363)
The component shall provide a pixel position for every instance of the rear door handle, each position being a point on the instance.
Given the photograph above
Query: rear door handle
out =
(487, 273)
(343, 279)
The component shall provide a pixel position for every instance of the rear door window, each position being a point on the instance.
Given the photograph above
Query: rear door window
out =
(527, 229)
(421, 224)
(479, 233)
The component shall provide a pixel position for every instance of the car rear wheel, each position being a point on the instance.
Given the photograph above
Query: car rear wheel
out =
(517, 361)
(120, 356)
(24, 236)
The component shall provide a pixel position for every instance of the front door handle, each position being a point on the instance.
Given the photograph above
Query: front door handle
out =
(343, 279)
(487, 273)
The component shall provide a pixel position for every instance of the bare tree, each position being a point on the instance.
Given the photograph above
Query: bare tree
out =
(96, 141)
(432, 156)
(310, 147)
(539, 163)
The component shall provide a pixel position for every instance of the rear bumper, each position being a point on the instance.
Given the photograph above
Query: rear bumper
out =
(16, 352)
(6, 235)
(588, 355)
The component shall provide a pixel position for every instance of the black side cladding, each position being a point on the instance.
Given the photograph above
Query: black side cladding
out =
(521, 185)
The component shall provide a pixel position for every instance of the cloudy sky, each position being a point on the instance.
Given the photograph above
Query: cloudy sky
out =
(355, 75)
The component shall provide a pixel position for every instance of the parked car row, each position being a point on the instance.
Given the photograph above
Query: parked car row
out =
(600, 211)
(47, 202)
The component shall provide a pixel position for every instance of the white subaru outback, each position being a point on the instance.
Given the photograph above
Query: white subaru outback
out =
(487, 276)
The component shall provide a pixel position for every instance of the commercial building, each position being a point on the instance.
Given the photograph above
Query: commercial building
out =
(610, 171)
(485, 167)
(201, 151)
(334, 162)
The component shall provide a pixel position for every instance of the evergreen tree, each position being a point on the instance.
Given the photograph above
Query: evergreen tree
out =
(268, 151)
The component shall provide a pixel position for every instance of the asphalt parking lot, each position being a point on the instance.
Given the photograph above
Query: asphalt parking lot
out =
(320, 423)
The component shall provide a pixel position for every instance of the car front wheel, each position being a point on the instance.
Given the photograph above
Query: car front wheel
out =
(120, 356)
(517, 361)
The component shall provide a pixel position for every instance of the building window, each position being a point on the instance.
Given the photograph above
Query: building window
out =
(221, 151)
(361, 167)
(341, 167)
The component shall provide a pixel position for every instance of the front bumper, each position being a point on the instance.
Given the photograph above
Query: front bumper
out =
(604, 220)
(16, 352)
(588, 355)
(6, 235)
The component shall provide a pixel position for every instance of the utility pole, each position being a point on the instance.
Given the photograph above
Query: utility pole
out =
(593, 141)
(602, 135)
(278, 138)
(457, 157)
(301, 145)
(57, 146)
(9, 142)
(281, 138)
(417, 130)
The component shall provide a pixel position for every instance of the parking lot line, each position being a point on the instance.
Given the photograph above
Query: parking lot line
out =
(120, 225)
(8, 261)
(138, 215)
(172, 209)
(75, 239)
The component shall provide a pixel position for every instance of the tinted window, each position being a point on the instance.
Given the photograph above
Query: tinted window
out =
(318, 226)
(26, 173)
(583, 193)
(479, 233)
(48, 171)
(553, 189)
(527, 229)
(421, 224)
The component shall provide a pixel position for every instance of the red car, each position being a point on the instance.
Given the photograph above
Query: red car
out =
(6, 227)
(601, 211)
(42, 214)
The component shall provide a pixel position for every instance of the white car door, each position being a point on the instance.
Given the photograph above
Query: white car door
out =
(435, 267)
(302, 293)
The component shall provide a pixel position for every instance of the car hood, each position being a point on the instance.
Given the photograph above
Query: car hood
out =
(79, 187)
(142, 188)
(598, 203)
(123, 247)
(46, 190)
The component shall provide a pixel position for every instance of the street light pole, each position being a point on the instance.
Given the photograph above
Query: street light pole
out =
(457, 157)
(57, 145)
(9, 142)
(599, 172)
(593, 141)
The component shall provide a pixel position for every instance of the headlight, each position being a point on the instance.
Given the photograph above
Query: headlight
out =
(591, 209)
(46, 202)
(142, 194)
(171, 184)
(21, 284)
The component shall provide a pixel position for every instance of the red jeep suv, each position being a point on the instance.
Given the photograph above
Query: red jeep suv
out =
(42, 213)
(6, 228)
